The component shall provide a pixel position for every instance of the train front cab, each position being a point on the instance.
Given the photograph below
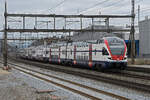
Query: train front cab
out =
(114, 51)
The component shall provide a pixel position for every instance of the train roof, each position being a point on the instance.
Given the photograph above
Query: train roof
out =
(78, 43)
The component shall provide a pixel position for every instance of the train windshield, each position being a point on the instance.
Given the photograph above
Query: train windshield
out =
(116, 45)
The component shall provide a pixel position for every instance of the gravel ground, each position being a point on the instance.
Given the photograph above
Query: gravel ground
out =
(129, 93)
(18, 86)
(12, 88)
(134, 95)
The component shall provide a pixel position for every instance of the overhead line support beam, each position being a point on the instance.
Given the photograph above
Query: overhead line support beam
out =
(69, 16)
(66, 30)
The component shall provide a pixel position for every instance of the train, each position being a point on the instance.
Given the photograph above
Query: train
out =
(102, 54)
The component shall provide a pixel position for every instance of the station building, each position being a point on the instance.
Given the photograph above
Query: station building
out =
(144, 27)
(0, 47)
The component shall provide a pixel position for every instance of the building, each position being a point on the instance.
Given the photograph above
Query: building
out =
(0, 47)
(144, 27)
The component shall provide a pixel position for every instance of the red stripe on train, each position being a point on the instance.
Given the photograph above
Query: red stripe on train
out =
(75, 62)
(59, 56)
(90, 55)
(50, 56)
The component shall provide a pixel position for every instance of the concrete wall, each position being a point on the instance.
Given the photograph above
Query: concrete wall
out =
(0, 47)
(144, 38)
(140, 61)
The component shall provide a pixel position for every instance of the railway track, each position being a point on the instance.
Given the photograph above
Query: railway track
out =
(96, 95)
(126, 74)
(124, 83)
(137, 69)
(120, 73)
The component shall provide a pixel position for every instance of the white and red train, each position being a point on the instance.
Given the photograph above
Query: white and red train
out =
(106, 53)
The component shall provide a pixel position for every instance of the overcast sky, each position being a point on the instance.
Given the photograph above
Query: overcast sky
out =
(72, 7)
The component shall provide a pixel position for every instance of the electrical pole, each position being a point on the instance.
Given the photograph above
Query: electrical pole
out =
(100, 18)
(132, 33)
(138, 14)
(107, 24)
(5, 39)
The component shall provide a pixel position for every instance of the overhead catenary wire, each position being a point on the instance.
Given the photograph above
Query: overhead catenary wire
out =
(54, 7)
(115, 3)
(138, 1)
(93, 6)
(136, 10)
(127, 1)
(97, 4)
(58, 5)
(107, 6)
(143, 11)
(85, 9)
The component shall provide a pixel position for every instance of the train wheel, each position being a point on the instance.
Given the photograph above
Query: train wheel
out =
(123, 67)
(99, 67)
(63, 63)
(71, 64)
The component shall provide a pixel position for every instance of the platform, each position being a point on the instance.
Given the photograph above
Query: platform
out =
(140, 66)
(3, 72)
(140, 61)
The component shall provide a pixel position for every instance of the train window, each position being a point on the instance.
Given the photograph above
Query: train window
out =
(47, 52)
(95, 52)
(64, 52)
(104, 52)
(115, 41)
(100, 41)
(33, 52)
(71, 51)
